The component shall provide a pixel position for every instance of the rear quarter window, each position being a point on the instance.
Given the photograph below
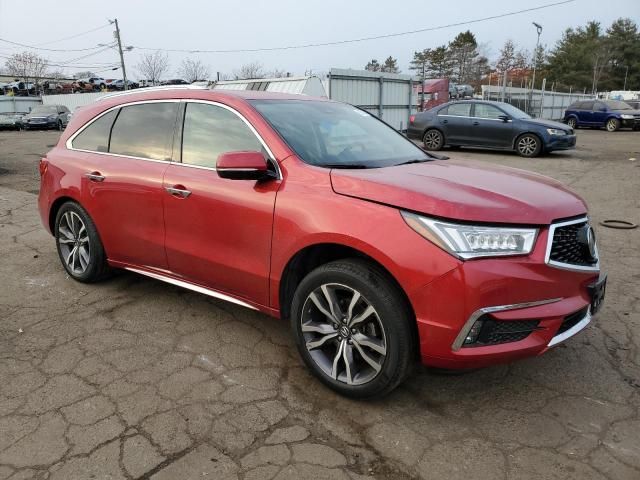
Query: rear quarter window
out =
(95, 137)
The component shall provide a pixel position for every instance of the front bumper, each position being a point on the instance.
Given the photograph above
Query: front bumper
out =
(630, 123)
(510, 289)
(560, 142)
(47, 124)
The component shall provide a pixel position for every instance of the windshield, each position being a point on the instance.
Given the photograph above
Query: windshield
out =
(44, 110)
(617, 105)
(513, 111)
(329, 134)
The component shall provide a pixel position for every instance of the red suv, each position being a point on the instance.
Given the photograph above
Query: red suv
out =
(320, 213)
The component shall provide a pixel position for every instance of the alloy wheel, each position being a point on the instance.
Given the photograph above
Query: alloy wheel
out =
(612, 125)
(343, 334)
(432, 140)
(73, 239)
(572, 122)
(527, 145)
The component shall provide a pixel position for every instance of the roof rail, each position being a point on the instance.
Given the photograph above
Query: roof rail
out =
(152, 89)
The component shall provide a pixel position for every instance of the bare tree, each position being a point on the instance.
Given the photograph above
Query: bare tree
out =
(250, 70)
(27, 66)
(277, 73)
(153, 66)
(192, 70)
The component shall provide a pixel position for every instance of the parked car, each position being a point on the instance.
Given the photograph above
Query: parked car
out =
(610, 114)
(634, 104)
(97, 83)
(11, 121)
(46, 116)
(496, 125)
(119, 84)
(174, 81)
(464, 91)
(317, 212)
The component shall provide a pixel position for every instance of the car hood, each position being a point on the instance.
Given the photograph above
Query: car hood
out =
(545, 123)
(467, 191)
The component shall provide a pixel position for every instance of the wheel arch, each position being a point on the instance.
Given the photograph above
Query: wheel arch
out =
(528, 132)
(312, 256)
(55, 206)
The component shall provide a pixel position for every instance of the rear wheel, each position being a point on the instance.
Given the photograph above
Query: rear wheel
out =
(353, 328)
(528, 145)
(433, 139)
(612, 125)
(572, 122)
(79, 247)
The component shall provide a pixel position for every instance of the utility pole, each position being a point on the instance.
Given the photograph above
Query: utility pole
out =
(625, 79)
(424, 62)
(124, 72)
(535, 55)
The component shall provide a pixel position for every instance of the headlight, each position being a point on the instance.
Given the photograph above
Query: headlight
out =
(626, 116)
(556, 131)
(472, 241)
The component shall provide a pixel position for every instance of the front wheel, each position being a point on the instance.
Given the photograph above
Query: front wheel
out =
(572, 123)
(612, 125)
(528, 145)
(59, 126)
(353, 328)
(79, 247)
(433, 139)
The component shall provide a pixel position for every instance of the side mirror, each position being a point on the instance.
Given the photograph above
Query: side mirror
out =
(504, 118)
(243, 166)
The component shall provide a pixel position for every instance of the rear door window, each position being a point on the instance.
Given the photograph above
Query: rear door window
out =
(145, 131)
(95, 137)
(457, 109)
(587, 106)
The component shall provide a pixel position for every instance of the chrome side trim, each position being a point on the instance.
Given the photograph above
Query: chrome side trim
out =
(457, 344)
(191, 286)
(568, 266)
(572, 331)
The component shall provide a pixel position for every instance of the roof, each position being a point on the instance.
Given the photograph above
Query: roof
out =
(255, 80)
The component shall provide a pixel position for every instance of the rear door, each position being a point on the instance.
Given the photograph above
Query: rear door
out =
(488, 130)
(600, 112)
(125, 153)
(455, 122)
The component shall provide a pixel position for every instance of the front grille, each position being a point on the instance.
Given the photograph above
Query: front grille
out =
(572, 320)
(565, 247)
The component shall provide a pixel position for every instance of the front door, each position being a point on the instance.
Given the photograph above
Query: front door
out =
(488, 129)
(218, 231)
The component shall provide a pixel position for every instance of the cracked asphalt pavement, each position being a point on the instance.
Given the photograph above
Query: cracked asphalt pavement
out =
(136, 379)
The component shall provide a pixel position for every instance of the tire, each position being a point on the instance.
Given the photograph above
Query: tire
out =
(433, 139)
(59, 126)
(379, 346)
(528, 145)
(572, 122)
(88, 263)
(612, 125)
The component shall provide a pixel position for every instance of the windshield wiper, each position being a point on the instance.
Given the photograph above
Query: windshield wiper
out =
(422, 160)
(344, 165)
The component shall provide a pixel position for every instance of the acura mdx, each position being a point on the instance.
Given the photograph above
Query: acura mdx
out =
(317, 212)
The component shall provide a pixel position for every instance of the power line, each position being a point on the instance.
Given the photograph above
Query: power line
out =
(363, 39)
(33, 47)
(73, 36)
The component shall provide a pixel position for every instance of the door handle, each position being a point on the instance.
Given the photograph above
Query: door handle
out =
(445, 121)
(95, 177)
(178, 192)
(476, 123)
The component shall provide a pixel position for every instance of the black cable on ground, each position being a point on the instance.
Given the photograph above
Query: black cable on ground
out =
(619, 224)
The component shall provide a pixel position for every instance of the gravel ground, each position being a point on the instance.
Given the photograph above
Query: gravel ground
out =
(133, 378)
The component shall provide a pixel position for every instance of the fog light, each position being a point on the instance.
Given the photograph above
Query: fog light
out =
(474, 332)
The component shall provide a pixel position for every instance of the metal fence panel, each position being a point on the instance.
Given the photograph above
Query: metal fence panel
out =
(18, 104)
(73, 100)
(544, 104)
(389, 96)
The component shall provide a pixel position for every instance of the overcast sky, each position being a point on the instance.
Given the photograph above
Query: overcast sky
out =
(191, 24)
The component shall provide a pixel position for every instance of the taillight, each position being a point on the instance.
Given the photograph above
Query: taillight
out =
(412, 118)
(44, 164)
